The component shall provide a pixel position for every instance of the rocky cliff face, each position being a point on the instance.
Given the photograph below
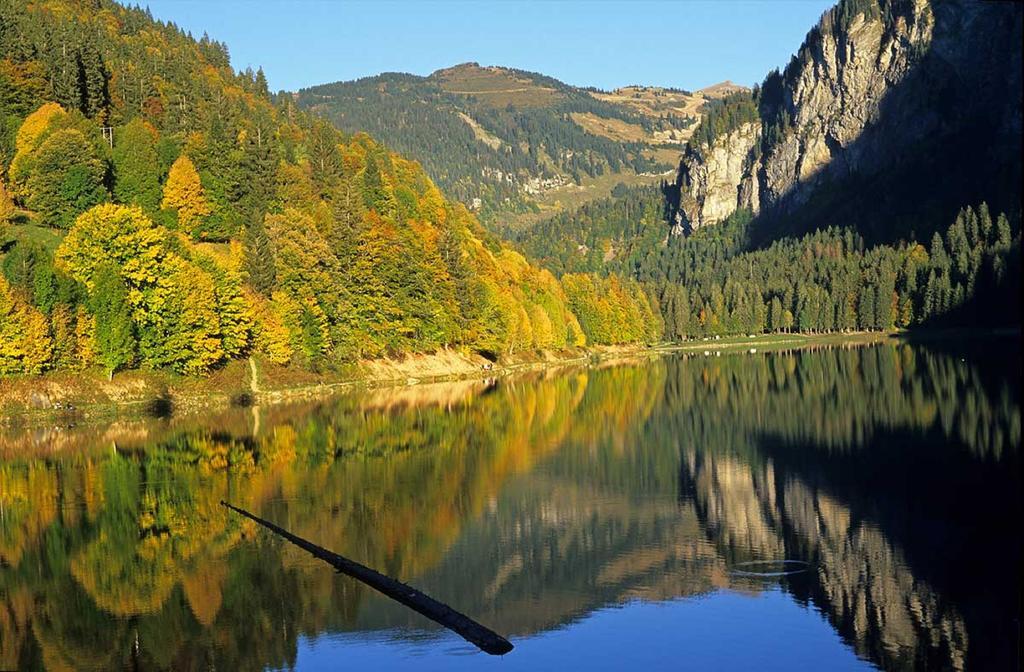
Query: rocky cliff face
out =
(886, 87)
(719, 178)
(837, 88)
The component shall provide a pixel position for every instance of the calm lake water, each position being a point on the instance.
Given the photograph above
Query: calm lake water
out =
(630, 515)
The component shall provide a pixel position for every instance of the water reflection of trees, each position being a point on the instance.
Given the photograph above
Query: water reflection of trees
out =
(585, 488)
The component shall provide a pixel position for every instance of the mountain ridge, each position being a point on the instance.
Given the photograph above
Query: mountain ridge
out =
(515, 145)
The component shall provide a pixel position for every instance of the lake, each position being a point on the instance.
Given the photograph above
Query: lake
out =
(625, 514)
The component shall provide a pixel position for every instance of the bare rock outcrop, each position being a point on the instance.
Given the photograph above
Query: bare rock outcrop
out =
(720, 178)
(908, 83)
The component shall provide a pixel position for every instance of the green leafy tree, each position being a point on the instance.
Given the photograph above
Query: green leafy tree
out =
(67, 178)
(114, 339)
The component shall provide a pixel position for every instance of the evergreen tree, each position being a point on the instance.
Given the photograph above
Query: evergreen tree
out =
(137, 167)
(775, 315)
(1004, 235)
(375, 194)
(94, 95)
(259, 258)
(325, 159)
(866, 307)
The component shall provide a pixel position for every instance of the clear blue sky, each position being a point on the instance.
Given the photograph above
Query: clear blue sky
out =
(687, 43)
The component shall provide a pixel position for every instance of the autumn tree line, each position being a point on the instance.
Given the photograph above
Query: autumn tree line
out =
(159, 210)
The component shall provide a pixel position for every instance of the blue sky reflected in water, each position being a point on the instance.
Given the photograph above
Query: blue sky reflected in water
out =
(720, 630)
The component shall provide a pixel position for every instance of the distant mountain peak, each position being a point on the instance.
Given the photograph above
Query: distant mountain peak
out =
(456, 69)
(722, 89)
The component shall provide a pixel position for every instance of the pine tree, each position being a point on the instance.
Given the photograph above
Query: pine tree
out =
(985, 222)
(1004, 236)
(931, 299)
(115, 334)
(866, 307)
(325, 159)
(775, 314)
(261, 82)
(259, 258)
(886, 301)
(93, 78)
(255, 172)
(137, 167)
(375, 194)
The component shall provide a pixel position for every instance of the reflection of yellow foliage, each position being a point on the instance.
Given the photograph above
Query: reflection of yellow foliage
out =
(394, 485)
(15, 612)
(203, 590)
(50, 628)
(124, 585)
(54, 658)
(28, 498)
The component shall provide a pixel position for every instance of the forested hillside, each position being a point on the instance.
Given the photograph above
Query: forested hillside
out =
(717, 281)
(157, 209)
(497, 139)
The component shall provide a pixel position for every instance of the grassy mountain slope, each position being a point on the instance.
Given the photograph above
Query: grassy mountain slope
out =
(513, 144)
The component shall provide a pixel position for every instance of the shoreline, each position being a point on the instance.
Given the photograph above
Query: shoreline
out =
(86, 397)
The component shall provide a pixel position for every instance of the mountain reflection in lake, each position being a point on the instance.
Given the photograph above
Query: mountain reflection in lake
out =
(597, 517)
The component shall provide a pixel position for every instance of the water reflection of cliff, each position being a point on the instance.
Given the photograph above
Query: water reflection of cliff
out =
(527, 504)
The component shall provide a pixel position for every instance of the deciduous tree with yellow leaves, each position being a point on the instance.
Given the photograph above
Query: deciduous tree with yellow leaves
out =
(177, 295)
(25, 343)
(6, 209)
(183, 193)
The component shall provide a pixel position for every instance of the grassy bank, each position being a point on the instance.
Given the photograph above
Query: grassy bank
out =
(89, 396)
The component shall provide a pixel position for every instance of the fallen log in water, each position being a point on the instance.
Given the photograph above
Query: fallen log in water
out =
(485, 638)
